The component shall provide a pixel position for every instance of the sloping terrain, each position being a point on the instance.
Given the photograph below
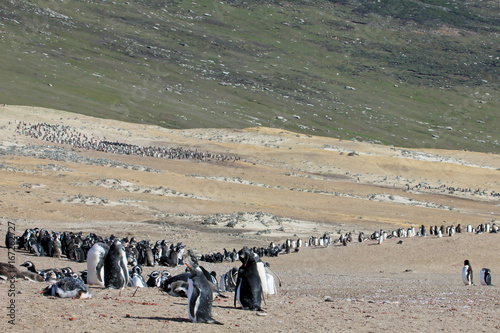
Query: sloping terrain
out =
(282, 184)
(407, 73)
(278, 185)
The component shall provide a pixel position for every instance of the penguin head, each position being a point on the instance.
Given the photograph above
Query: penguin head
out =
(27, 264)
(466, 262)
(194, 269)
(137, 269)
(244, 255)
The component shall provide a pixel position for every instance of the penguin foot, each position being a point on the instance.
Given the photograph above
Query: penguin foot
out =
(261, 313)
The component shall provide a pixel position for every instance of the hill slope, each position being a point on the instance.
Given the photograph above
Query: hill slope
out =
(408, 73)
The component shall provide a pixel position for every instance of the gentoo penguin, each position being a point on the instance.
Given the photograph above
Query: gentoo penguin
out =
(485, 275)
(68, 287)
(467, 273)
(95, 263)
(115, 267)
(200, 296)
(248, 284)
(423, 231)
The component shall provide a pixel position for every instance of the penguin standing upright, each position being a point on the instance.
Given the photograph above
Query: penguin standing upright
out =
(56, 248)
(115, 267)
(95, 263)
(200, 296)
(467, 273)
(485, 275)
(248, 285)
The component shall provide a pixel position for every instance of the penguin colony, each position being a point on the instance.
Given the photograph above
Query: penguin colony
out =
(68, 135)
(108, 260)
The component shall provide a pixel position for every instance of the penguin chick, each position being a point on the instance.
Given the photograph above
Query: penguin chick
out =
(68, 287)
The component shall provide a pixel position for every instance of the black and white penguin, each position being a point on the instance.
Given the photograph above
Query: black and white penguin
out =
(485, 275)
(115, 267)
(31, 267)
(95, 263)
(154, 279)
(164, 276)
(248, 284)
(136, 279)
(56, 248)
(423, 231)
(177, 285)
(228, 280)
(68, 287)
(200, 296)
(467, 273)
(8, 271)
(381, 238)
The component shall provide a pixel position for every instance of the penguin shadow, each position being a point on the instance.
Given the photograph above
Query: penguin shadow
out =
(177, 320)
(225, 307)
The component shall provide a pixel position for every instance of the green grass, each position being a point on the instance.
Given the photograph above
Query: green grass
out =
(238, 64)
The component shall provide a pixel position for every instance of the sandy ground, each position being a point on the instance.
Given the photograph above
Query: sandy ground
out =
(285, 185)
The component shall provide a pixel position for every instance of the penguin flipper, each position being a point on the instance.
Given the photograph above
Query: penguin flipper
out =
(99, 268)
(263, 298)
(238, 282)
(274, 274)
(123, 266)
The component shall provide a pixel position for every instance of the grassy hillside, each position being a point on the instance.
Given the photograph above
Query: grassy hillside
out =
(409, 73)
